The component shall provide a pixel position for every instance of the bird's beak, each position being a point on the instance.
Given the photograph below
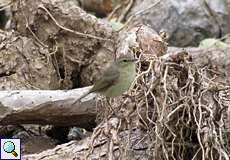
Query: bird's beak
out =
(134, 59)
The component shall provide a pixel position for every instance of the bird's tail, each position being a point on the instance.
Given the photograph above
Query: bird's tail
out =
(79, 99)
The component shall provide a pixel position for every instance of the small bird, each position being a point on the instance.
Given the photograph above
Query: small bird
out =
(116, 79)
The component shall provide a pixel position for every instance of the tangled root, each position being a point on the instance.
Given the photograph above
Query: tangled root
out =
(183, 114)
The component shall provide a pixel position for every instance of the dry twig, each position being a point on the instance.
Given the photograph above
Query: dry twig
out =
(138, 14)
(72, 31)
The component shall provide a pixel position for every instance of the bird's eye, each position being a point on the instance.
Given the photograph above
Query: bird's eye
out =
(124, 60)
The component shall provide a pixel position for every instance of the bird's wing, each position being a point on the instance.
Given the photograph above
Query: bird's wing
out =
(108, 78)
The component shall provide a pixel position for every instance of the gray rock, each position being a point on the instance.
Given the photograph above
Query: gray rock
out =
(187, 22)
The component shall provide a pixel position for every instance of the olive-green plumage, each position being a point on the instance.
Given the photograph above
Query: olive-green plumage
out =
(116, 79)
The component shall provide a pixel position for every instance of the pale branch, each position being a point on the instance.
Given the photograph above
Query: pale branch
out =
(47, 107)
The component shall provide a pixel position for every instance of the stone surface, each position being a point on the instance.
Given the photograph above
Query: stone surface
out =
(186, 22)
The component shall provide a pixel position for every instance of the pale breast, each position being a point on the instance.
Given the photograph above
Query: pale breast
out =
(121, 86)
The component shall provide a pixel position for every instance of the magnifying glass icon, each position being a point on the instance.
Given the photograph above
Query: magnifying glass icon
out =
(9, 147)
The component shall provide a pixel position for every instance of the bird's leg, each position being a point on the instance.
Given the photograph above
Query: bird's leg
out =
(113, 111)
(130, 96)
(107, 99)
